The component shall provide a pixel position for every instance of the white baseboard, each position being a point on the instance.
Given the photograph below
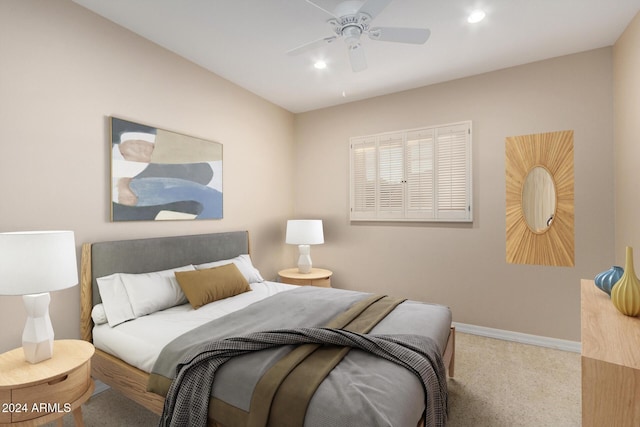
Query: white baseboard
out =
(555, 343)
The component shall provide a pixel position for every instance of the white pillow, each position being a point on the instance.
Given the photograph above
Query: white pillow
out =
(126, 296)
(155, 291)
(243, 262)
(115, 299)
(98, 315)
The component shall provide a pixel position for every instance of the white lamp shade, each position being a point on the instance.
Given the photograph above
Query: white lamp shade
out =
(304, 232)
(34, 262)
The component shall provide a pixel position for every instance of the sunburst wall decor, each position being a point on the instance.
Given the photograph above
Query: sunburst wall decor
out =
(554, 244)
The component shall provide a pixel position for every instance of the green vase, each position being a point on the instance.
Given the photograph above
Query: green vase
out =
(625, 294)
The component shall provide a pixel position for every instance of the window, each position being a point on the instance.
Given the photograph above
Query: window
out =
(413, 175)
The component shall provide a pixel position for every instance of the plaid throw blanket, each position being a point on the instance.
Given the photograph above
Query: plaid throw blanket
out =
(187, 401)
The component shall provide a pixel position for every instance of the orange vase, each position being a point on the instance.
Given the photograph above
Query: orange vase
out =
(625, 294)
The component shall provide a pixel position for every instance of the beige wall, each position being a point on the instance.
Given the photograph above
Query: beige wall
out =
(64, 72)
(464, 266)
(626, 63)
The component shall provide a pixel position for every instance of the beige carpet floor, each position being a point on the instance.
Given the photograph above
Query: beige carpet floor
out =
(505, 384)
(497, 384)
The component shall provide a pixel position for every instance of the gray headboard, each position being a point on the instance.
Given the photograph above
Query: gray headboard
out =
(161, 253)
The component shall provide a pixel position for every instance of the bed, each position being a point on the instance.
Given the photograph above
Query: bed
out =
(115, 367)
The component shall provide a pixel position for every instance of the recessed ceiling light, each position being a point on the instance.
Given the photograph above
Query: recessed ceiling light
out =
(476, 16)
(320, 65)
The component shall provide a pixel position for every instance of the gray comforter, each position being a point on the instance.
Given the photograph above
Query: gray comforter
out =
(187, 401)
(384, 393)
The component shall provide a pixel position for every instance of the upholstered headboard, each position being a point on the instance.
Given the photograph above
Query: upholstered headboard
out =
(146, 255)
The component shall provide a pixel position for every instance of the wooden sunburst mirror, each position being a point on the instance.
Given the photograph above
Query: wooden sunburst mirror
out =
(540, 199)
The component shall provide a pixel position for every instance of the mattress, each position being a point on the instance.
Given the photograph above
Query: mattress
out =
(139, 342)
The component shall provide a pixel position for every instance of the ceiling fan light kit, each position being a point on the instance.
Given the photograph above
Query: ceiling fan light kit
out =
(351, 19)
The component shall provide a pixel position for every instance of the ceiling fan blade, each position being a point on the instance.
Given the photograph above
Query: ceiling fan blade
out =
(326, 6)
(312, 45)
(373, 7)
(400, 35)
(357, 58)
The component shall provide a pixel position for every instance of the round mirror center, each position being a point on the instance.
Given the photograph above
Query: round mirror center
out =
(539, 199)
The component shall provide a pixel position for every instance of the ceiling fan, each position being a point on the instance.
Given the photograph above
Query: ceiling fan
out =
(351, 19)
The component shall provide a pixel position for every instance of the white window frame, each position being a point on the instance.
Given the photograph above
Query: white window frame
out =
(421, 174)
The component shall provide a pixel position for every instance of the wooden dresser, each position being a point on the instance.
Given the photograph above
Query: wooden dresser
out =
(610, 362)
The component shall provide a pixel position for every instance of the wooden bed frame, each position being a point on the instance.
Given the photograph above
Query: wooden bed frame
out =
(131, 381)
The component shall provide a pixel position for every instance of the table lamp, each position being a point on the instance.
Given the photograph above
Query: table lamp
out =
(32, 264)
(304, 232)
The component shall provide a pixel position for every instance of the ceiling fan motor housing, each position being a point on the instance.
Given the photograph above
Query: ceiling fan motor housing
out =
(351, 27)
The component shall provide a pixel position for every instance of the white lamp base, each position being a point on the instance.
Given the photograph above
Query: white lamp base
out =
(37, 337)
(304, 260)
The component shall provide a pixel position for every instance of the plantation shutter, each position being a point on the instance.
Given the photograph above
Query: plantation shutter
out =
(390, 176)
(363, 178)
(452, 165)
(420, 178)
(414, 175)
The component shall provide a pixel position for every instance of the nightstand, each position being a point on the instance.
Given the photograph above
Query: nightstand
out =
(317, 277)
(34, 394)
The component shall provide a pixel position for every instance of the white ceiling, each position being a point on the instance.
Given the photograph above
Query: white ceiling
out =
(245, 41)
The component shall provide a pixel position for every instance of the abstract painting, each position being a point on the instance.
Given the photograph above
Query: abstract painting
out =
(162, 175)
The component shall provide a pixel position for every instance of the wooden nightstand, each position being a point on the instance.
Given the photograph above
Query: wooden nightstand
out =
(35, 394)
(317, 277)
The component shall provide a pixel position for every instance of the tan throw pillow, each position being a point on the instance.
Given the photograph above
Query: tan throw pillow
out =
(212, 284)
